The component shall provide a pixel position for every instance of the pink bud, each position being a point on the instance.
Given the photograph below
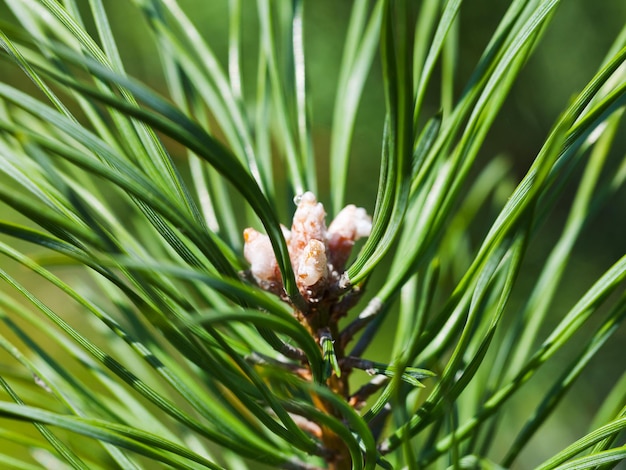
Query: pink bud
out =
(313, 266)
(258, 251)
(308, 224)
(349, 225)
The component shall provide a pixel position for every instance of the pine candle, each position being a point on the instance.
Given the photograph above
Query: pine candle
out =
(318, 254)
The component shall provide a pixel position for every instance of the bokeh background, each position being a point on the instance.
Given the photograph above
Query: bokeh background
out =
(568, 56)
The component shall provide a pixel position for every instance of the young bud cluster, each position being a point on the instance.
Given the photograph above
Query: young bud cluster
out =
(318, 254)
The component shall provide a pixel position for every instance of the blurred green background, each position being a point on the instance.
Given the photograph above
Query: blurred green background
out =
(566, 59)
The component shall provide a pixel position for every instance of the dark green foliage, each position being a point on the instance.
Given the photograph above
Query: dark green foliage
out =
(132, 331)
